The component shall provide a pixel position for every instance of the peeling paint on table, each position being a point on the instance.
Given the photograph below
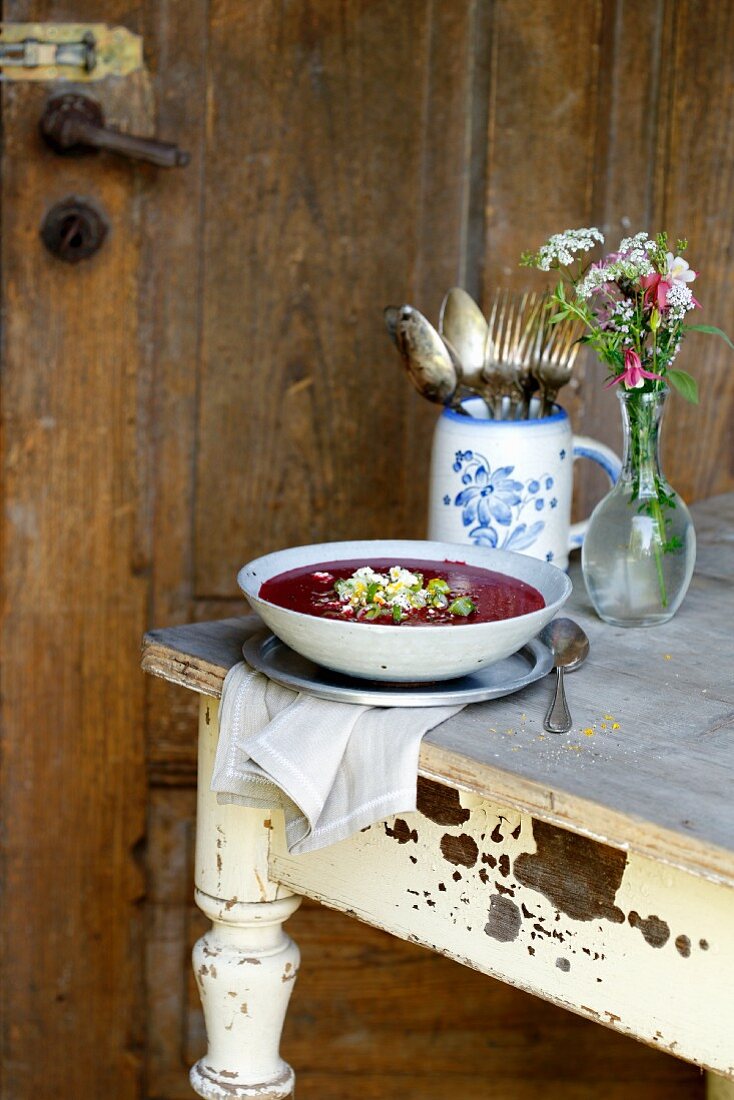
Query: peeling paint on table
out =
(641, 947)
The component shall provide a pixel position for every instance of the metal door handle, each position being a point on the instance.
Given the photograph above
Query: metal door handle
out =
(74, 124)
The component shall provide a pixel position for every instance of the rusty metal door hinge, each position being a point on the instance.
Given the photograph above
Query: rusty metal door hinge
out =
(67, 51)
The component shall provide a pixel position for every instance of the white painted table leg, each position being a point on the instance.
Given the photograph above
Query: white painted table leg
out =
(719, 1088)
(245, 966)
(244, 970)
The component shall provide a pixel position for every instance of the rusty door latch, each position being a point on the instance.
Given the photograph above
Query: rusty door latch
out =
(67, 51)
(32, 54)
(74, 124)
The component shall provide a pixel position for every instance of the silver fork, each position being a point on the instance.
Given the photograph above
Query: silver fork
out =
(557, 349)
(512, 332)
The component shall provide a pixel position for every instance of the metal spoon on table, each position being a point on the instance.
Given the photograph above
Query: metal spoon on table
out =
(570, 647)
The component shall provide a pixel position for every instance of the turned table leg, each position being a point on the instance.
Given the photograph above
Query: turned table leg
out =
(246, 964)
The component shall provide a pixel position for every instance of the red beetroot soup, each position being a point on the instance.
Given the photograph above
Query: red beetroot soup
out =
(457, 593)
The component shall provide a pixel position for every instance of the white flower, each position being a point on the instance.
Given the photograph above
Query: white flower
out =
(636, 264)
(640, 241)
(628, 267)
(562, 247)
(680, 301)
(624, 310)
(596, 277)
(621, 316)
(679, 270)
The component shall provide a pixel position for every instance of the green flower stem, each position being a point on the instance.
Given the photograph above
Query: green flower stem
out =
(643, 454)
(658, 516)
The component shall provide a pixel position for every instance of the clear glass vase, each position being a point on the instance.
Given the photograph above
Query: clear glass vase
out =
(640, 548)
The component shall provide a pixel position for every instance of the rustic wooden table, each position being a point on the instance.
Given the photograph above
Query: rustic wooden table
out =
(593, 869)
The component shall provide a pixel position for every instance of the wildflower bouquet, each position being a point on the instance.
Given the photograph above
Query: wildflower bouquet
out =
(633, 303)
(634, 306)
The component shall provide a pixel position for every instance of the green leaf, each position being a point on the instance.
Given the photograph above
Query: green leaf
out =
(712, 329)
(685, 385)
(397, 614)
(560, 316)
(462, 606)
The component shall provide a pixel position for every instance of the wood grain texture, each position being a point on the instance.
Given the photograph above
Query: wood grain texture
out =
(176, 37)
(447, 218)
(315, 197)
(542, 136)
(695, 202)
(542, 129)
(75, 590)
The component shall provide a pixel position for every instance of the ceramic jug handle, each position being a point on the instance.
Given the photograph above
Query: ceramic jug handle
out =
(611, 464)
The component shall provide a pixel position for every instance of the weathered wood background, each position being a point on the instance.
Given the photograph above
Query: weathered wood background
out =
(217, 383)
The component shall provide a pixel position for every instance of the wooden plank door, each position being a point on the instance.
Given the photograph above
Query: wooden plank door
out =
(76, 568)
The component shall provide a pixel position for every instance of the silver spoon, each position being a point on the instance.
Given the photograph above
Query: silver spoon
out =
(570, 648)
(426, 357)
(462, 323)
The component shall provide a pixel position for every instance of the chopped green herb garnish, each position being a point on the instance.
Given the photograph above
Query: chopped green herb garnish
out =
(462, 606)
(438, 585)
(397, 594)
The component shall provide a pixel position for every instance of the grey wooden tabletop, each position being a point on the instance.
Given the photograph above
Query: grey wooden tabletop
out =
(649, 763)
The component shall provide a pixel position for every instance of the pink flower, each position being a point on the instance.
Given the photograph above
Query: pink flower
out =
(634, 374)
(604, 301)
(656, 290)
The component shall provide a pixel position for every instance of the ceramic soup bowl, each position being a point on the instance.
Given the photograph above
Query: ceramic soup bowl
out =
(418, 653)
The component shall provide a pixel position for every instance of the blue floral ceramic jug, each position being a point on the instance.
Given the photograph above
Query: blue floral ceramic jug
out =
(507, 484)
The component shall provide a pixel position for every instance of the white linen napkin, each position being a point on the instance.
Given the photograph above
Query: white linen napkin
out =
(334, 768)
